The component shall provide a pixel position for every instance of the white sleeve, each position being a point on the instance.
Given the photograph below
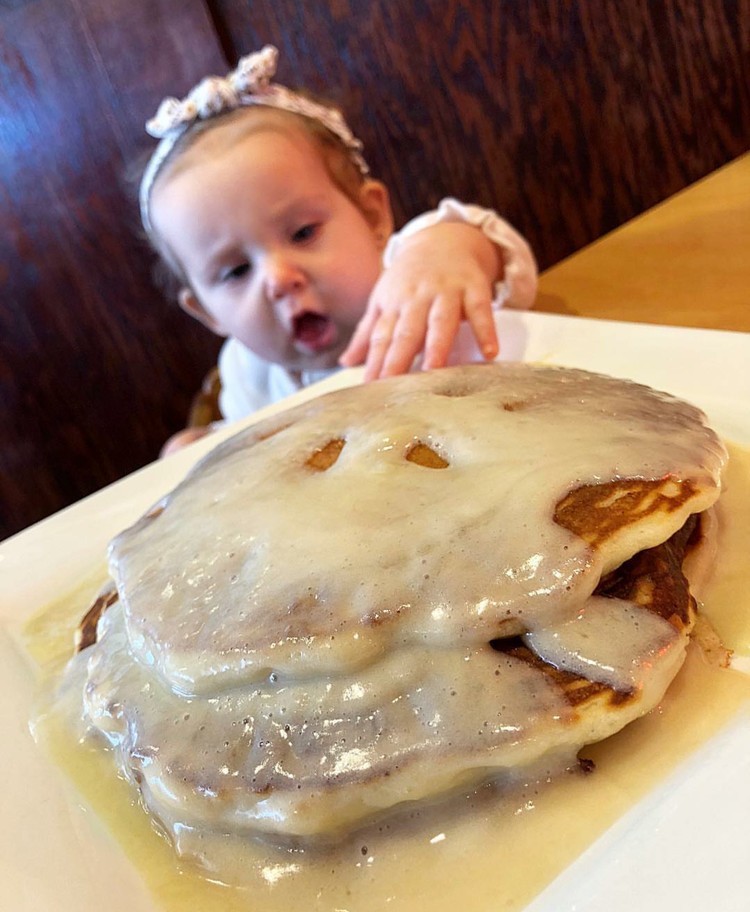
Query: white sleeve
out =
(518, 286)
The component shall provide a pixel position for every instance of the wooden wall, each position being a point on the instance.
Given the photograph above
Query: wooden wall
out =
(95, 368)
(568, 117)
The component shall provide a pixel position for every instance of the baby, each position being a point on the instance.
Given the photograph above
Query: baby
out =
(259, 201)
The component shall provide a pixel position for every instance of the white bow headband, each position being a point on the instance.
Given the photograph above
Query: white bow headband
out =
(249, 84)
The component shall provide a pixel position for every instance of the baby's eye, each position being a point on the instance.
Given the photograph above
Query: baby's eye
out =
(234, 272)
(306, 232)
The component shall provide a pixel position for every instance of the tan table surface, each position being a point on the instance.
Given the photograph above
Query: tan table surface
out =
(686, 262)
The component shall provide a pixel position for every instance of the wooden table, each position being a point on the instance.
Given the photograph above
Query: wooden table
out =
(686, 262)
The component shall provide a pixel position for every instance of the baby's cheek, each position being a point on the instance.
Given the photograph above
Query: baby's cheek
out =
(263, 332)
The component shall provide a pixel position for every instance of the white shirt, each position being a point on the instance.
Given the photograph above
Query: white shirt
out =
(249, 382)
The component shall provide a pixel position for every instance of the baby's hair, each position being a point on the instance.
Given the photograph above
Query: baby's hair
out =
(340, 166)
(215, 100)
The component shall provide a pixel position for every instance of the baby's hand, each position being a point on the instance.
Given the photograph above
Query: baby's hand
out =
(182, 439)
(439, 276)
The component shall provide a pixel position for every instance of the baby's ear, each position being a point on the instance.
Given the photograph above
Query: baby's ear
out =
(376, 205)
(191, 305)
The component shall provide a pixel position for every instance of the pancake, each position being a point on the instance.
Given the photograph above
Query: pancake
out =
(398, 591)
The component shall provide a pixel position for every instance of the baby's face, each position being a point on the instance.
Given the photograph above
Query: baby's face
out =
(276, 254)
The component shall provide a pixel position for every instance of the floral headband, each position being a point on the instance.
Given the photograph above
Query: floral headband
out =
(250, 84)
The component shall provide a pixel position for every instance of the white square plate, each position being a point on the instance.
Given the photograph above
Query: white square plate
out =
(55, 855)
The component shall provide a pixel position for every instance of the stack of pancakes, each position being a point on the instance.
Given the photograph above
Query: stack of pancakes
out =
(397, 591)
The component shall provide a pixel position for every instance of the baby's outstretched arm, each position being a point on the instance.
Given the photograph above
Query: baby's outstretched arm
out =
(439, 275)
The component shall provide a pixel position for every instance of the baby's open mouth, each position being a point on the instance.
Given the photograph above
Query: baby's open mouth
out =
(313, 332)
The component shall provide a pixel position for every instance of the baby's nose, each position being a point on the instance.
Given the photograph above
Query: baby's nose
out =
(283, 278)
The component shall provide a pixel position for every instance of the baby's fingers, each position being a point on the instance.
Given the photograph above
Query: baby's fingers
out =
(356, 351)
(397, 340)
(380, 340)
(442, 327)
(478, 310)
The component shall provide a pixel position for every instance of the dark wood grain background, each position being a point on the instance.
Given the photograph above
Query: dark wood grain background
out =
(568, 117)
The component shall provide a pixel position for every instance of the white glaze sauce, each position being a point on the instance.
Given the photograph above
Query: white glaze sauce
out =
(487, 852)
(296, 650)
